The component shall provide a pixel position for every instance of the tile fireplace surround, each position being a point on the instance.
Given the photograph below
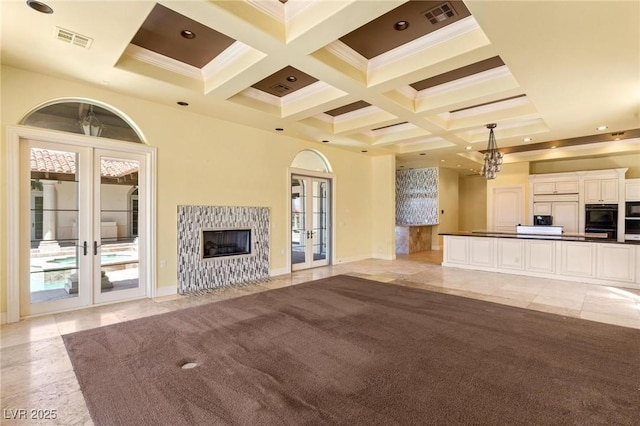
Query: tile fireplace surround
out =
(197, 274)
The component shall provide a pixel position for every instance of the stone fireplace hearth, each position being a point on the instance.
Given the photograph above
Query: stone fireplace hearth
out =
(221, 246)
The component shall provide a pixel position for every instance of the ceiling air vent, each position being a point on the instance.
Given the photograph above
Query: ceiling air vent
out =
(73, 38)
(440, 13)
(280, 88)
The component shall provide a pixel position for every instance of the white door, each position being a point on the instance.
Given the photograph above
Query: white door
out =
(508, 208)
(81, 255)
(310, 219)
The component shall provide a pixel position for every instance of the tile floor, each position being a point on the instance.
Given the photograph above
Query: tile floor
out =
(36, 373)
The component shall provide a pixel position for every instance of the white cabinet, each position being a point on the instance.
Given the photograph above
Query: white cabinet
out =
(481, 251)
(540, 256)
(555, 187)
(600, 191)
(616, 262)
(456, 249)
(578, 259)
(510, 253)
(565, 214)
(632, 189)
(542, 208)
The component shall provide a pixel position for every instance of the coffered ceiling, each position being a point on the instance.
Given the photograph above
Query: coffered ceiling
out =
(417, 79)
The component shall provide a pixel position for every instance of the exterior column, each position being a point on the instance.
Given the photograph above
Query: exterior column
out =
(49, 212)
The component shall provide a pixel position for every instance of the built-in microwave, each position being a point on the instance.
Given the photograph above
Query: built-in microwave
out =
(633, 209)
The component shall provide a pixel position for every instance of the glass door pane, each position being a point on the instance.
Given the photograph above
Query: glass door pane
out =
(57, 265)
(320, 216)
(310, 239)
(298, 222)
(117, 245)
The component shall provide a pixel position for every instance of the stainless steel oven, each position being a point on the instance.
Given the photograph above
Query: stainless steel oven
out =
(632, 221)
(602, 218)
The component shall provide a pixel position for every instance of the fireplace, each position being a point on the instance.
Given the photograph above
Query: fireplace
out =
(244, 257)
(225, 242)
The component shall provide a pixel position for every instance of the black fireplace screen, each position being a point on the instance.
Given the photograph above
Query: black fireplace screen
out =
(225, 242)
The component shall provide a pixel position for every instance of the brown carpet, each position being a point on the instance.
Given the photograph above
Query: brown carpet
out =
(345, 350)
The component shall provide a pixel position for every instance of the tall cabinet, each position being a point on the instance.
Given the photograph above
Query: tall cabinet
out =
(565, 195)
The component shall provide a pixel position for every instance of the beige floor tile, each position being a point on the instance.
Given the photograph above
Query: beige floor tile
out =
(28, 330)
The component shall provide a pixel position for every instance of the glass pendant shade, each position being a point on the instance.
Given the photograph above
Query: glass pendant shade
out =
(492, 157)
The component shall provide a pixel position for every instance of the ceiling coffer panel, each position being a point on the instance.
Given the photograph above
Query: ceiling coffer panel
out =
(174, 35)
(284, 82)
(403, 24)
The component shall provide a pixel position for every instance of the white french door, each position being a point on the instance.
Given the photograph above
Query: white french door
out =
(79, 250)
(310, 221)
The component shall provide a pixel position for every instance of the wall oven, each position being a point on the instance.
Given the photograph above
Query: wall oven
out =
(602, 219)
(632, 221)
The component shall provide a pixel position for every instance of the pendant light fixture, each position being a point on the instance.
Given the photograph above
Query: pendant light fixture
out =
(492, 157)
(90, 124)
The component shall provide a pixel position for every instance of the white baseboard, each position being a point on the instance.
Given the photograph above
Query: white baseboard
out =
(278, 271)
(169, 290)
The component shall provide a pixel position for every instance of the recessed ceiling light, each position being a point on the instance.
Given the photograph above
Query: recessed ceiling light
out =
(182, 103)
(364, 150)
(527, 139)
(442, 161)
(553, 146)
(401, 25)
(39, 7)
(292, 78)
(188, 34)
(325, 141)
(468, 148)
(602, 128)
(422, 153)
(458, 165)
(401, 167)
(279, 129)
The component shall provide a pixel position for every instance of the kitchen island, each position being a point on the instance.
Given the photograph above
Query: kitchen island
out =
(572, 257)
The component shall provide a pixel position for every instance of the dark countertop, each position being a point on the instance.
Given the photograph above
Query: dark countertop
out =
(563, 237)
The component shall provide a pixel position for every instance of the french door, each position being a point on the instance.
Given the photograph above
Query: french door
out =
(310, 220)
(79, 249)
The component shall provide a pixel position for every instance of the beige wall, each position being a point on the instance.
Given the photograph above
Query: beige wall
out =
(447, 203)
(211, 162)
(630, 161)
(383, 195)
(472, 203)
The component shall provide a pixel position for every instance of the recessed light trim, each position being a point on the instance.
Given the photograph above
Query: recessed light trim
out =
(422, 153)
(292, 78)
(39, 7)
(401, 25)
(602, 128)
(468, 148)
(527, 139)
(364, 150)
(279, 129)
(182, 103)
(325, 141)
(188, 34)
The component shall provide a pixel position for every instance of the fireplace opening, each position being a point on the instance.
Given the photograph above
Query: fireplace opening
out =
(225, 242)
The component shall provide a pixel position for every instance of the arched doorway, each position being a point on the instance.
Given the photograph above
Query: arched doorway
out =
(311, 212)
(71, 219)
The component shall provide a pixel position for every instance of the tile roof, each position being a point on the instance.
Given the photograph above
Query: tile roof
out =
(44, 160)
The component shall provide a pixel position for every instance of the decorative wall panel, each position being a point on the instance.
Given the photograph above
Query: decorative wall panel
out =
(417, 197)
(197, 274)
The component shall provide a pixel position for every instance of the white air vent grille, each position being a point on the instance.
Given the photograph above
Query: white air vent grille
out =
(441, 13)
(73, 38)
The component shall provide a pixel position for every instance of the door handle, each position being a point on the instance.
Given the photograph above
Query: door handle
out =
(84, 248)
(95, 248)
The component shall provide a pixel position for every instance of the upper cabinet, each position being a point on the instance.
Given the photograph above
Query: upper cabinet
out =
(555, 187)
(632, 190)
(600, 191)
